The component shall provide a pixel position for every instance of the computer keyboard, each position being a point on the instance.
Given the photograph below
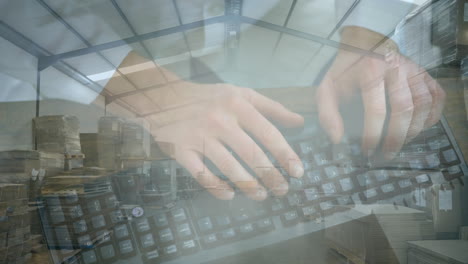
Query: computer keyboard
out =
(197, 228)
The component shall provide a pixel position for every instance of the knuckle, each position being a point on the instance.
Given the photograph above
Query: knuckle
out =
(269, 135)
(403, 106)
(226, 165)
(422, 98)
(234, 101)
(439, 95)
(216, 120)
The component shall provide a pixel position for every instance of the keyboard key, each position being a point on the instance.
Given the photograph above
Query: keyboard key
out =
(205, 224)
(348, 168)
(433, 160)
(364, 179)
(416, 164)
(356, 198)
(381, 175)
(277, 205)
(121, 231)
(210, 240)
(265, 224)
(166, 235)
(98, 221)
(170, 251)
(346, 184)
(306, 147)
(386, 188)
(126, 247)
(160, 220)
(307, 165)
(107, 252)
(76, 211)
(240, 215)
(296, 184)
(439, 143)
(423, 178)
(142, 225)
(311, 194)
(229, 233)
(179, 215)
(453, 173)
(370, 193)
(223, 220)
(260, 211)
(94, 206)
(294, 199)
(344, 200)
(340, 152)
(147, 240)
(111, 201)
(116, 216)
(151, 255)
(246, 229)
(450, 156)
(80, 226)
(405, 183)
(189, 246)
(85, 241)
(89, 257)
(313, 177)
(331, 172)
(184, 230)
(321, 159)
(290, 218)
(327, 205)
(308, 211)
(329, 188)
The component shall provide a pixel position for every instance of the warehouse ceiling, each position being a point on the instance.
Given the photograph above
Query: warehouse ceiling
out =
(294, 35)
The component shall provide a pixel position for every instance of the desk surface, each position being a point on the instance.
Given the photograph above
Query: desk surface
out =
(446, 249)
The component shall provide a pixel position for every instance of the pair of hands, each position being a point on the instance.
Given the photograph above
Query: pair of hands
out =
(223, 117)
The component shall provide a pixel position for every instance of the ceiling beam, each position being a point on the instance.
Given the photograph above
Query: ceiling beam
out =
(46, 61)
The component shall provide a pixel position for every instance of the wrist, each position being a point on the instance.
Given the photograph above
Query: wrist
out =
(366, 39)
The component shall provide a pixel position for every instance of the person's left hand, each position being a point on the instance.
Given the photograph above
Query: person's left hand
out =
(415, 99)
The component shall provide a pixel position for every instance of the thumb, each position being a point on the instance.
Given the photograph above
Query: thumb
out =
(328, 109)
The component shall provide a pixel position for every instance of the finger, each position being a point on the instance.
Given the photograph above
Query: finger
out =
(194, 164)
(272, 109)
(402, 109)
(232, 169)
(328, 110)
(375, 111)
(438, 101)
(255, 158)
(270, 137)
(422, 101)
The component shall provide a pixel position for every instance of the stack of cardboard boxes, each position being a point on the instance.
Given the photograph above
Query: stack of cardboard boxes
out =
(381, 234)
(60, 134)
(15, 229)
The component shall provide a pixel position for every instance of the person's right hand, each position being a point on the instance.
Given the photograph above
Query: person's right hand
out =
(222, 118)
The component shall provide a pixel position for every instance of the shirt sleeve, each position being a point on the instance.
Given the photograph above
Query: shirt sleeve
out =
(380, 16)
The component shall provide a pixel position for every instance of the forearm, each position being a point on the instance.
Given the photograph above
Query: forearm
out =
(364, 39)
(165, 88)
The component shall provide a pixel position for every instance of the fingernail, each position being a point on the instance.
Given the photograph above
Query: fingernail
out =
(298, 171)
